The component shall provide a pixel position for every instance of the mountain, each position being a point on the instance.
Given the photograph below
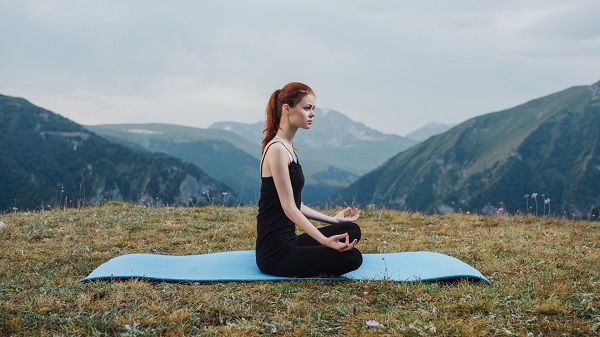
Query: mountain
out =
(431, 129)
(48, 159)
(549, 145)
(335, 140)
(223, 155)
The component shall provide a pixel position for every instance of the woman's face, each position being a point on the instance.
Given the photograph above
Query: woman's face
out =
(301, 114)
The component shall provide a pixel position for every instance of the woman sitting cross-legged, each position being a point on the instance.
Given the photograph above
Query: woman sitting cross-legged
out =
(324, 251)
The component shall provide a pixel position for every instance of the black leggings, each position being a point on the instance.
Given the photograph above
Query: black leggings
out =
(310, 259)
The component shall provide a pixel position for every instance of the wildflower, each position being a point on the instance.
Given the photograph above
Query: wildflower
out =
(224, 196)
(372, 323)
(526, 196)
(500, 210)
(533, 195)
(547, 202)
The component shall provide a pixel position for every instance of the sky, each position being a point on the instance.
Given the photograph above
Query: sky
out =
(392, 65)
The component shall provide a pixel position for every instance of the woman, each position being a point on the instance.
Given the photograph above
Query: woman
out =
(325, 251)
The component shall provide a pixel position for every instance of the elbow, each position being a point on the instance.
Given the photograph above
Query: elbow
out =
(291, 213)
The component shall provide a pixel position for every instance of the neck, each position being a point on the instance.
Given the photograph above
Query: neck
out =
(286, 134)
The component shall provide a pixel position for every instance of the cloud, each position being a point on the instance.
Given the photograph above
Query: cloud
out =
(393, 65)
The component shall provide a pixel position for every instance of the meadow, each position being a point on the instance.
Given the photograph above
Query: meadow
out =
(545, 274)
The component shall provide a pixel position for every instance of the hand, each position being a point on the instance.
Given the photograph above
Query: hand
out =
(334, 242)
(347, 215)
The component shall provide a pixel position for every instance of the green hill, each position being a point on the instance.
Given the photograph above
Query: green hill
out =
(223, 155)
(48, 159)
(549, 146)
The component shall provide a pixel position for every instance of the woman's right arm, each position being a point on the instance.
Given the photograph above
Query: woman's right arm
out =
(277, 160)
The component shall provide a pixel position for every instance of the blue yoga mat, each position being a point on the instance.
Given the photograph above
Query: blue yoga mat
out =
(241, 266)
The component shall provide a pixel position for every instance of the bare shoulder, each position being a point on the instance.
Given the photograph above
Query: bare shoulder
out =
(274, 149)
(275, 158)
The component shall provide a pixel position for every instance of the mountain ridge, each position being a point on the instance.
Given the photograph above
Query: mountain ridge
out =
(48, 157)
(487, 160)
(546, 145)
(336, 138)
(429, 130)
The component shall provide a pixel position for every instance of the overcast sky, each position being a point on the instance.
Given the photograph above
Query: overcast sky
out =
(393, 65)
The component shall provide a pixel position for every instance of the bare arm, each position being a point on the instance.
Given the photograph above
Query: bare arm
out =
(346, 215)
(277, 161)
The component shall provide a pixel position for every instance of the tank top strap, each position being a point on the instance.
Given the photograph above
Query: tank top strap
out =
(267, 149)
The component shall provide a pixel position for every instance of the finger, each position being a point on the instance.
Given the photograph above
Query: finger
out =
(338, 237)
(341, 243)
(348, 211)
(347, 238)
(349, 246)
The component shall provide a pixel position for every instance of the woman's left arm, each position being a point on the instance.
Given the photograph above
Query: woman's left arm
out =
(346, 215)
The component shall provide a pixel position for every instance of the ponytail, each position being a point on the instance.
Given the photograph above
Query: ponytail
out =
(273, 116)
(291, 94)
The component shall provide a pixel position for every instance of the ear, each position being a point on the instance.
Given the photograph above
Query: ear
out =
(286, 108)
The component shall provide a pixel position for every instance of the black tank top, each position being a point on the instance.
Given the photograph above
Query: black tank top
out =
(275, 231)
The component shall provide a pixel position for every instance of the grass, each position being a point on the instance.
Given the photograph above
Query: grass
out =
(544, 272)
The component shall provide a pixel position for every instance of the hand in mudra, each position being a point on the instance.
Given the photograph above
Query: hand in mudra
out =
(340, 242)
(348, 215)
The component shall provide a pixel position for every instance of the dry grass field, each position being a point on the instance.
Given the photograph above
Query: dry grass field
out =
(545, 275)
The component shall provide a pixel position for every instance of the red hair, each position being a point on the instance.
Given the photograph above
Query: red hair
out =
(291, 94)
